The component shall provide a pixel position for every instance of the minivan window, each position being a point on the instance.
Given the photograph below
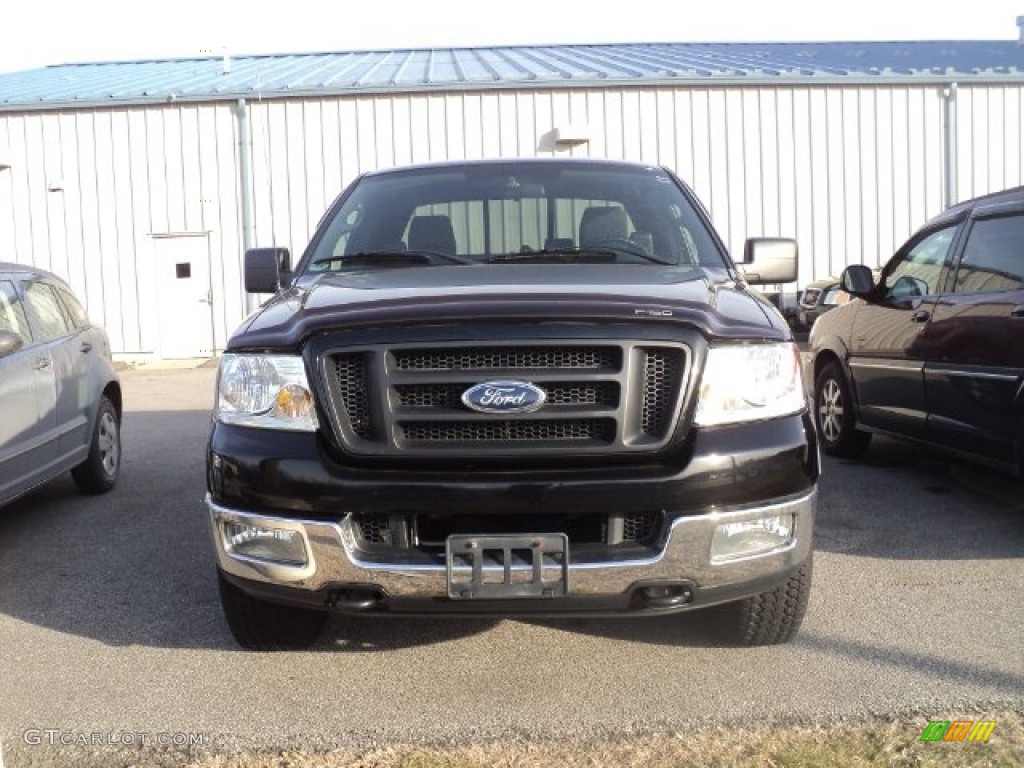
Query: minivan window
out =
(43, 300)
(993, 258)
(12, 314)
(919, 271)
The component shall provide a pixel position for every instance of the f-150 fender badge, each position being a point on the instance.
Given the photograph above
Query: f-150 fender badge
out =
(652, 312)
(504, 397)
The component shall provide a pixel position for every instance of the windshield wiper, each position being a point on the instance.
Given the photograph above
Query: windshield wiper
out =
(418, 258)
(576, 253)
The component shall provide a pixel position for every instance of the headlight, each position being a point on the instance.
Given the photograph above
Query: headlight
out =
(269, 391)
(748, 382)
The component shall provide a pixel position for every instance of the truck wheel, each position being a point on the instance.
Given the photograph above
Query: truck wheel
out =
(98, 473)
(769, 618)
(262, 626)
(833, 413)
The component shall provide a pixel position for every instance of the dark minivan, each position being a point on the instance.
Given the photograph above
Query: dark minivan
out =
(935, 350)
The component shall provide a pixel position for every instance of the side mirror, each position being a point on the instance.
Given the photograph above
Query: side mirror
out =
(769, 260)
(857, 280)
(267, 270)
(10, 342)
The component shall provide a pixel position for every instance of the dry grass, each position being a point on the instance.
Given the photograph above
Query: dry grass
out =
(893, 744)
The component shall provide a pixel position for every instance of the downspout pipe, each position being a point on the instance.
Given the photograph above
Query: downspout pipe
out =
(949, 95)
(245, 185)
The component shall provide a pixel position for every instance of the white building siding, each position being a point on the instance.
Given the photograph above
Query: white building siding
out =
(849, 171)
(87, 189)
(991, 131)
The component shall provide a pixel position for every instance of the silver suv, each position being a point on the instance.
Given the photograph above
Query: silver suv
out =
(60, 397)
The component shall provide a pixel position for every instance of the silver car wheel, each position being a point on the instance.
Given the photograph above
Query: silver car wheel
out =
(830, 410)
(109, 443)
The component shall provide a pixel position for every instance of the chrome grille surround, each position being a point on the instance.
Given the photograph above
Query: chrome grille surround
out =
(404, 400)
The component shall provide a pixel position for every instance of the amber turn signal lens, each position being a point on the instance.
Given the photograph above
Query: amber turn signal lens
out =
(294, 401)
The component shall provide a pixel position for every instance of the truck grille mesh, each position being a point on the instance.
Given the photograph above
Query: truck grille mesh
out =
(661, 381)
(353, 388)
(375, 529)
(639, 526)
(503, 358)
(432, 529)
(406, 400)
(601, 430)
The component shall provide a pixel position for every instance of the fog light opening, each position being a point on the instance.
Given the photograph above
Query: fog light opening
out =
(747, 538)
(354, 598)
(274, 545)
(665, 595)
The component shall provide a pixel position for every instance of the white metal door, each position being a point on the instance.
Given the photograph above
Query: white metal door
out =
(184, 295)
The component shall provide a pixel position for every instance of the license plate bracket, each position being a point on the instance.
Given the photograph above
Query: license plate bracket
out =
(503, 566)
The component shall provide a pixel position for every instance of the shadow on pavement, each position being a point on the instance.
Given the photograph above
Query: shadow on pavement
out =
(136, 566)
(905, 501)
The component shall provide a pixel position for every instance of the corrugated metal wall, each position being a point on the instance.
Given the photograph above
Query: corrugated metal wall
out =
(88, 189)
(849, 171)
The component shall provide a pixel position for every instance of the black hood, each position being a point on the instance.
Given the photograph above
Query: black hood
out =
(708, 300)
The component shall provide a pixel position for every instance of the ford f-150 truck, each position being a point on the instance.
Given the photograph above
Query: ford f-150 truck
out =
(513, 388)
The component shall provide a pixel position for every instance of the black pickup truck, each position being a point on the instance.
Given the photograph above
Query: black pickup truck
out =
(513, 388)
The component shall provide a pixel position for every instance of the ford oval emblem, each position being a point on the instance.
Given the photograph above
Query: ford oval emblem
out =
(504, 397)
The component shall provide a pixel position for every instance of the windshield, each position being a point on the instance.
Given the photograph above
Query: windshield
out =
(514, 212)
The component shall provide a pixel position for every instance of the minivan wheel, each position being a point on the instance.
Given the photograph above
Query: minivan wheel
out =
(769, 618)
(262, 626)
(99, 472)
(833, 413)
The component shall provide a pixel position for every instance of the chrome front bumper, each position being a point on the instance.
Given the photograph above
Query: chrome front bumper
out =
(335, 559)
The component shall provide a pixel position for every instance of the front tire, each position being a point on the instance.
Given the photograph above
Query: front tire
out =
(99, 472)
(833, 413)
(771, 617)
(262, 626)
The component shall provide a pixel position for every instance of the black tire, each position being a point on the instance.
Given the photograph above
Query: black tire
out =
(262, 626)
(833, 414)
(771, 617)
(99, 472)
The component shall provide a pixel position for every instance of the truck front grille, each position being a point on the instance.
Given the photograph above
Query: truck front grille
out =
(353, 387)
(406, 400)
(640, 526)
(505, 358)
(600, 430)
(373, 529)
(559, 393)
(662, 378)
(430, 529)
